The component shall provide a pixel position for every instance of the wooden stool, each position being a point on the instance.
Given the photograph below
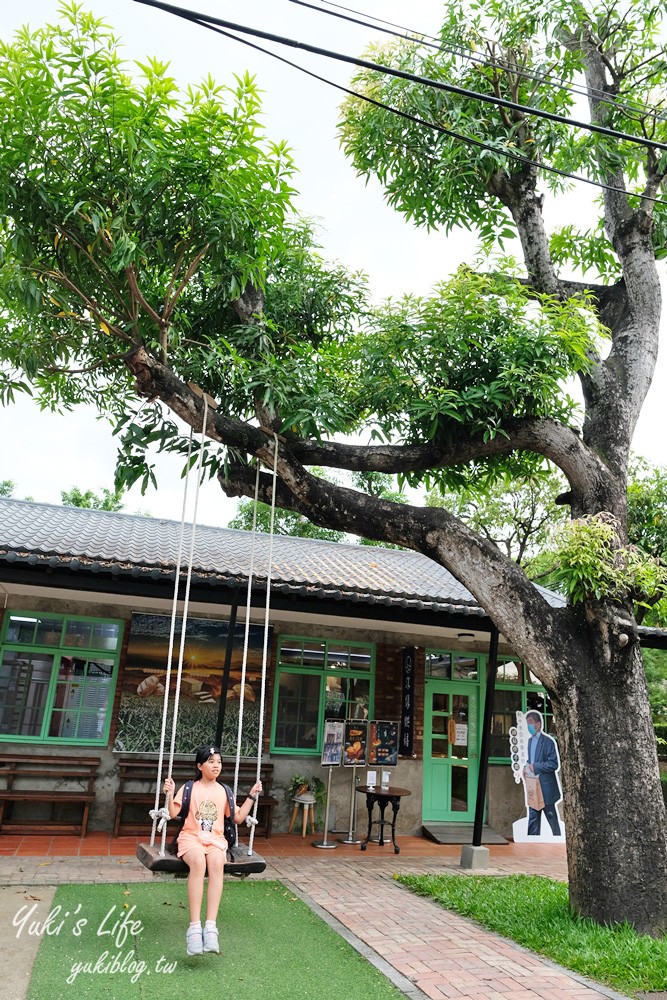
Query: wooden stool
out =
(308, 803)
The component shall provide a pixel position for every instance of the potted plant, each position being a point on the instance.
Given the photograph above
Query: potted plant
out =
(299, 784)
(308, 784)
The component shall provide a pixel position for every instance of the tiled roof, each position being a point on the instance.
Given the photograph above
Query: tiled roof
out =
(79, 539)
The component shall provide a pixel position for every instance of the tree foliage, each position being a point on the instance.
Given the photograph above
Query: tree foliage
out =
(108, 500)
(517, 515)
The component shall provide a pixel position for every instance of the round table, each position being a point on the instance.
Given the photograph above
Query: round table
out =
(376, 793)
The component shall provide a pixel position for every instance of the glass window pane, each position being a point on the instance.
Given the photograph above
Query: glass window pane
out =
(297, 712)
(439, 724)
(459, 789)
(78, 634)
(510, 673)
(439, 747)
(438, 664)
(49, 632)
(105, 635)
(338, 657)
(360, 659)
(460, 709)
(335, 698)
(313, 654)
(358, 697)
(21, 628)
(505, 706)
(440, 703)
(464, 668)
(290, 652)
(90, 725)
(24, 685)
(536, 700)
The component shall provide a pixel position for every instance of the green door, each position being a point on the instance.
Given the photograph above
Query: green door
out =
(451, 766)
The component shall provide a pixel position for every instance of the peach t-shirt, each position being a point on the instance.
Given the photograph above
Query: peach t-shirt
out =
(206, 815)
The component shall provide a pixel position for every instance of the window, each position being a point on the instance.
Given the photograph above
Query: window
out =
(517, 690)
(57, 678)
(452, 666)
(317, 680)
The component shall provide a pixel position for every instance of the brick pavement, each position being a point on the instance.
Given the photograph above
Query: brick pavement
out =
(426, 951)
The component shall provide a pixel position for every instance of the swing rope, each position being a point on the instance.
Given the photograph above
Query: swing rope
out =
(162, 816)
(251, 820)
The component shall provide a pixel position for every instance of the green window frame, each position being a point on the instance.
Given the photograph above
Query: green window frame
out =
(517, 689)
(318, 679)
(58, 676)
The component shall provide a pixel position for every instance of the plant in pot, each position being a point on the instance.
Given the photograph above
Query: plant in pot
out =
(308, 784)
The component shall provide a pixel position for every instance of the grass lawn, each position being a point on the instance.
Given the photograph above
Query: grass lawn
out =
(272, 948)
(534, 911)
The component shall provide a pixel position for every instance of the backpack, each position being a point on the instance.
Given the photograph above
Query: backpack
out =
(229, 824)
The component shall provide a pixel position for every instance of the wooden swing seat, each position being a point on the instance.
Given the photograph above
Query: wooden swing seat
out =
(238, 862)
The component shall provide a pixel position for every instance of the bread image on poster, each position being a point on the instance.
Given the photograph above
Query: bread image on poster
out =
(354, 743)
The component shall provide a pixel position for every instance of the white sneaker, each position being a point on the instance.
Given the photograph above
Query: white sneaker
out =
(195, 941)
(211, 940)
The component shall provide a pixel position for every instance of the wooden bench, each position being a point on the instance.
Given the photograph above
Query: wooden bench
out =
(136, 791)
(46, 779)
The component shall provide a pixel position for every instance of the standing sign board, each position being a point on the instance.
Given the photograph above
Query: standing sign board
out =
(356, 739)
(332, 748)
(383, 744)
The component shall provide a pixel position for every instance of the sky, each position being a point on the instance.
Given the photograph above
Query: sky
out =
(45, 453)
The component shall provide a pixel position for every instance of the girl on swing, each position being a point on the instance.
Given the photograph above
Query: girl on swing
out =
(202, 844)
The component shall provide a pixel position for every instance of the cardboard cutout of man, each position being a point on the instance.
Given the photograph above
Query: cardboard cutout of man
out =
(543, 762)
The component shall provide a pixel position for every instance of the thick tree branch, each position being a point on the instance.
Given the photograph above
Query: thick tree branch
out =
(496, 582)
(585, 472)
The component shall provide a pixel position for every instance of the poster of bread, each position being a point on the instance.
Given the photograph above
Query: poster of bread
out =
(383, 743)
(354, 743)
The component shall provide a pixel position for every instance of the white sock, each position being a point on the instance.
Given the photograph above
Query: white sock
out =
(196, 924)
(210, 925)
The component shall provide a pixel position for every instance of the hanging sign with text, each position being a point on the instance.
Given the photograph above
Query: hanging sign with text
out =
(408, 702)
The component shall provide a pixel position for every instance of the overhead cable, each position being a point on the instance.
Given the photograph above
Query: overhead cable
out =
(468, 54)
(478, 143)
(404, 75)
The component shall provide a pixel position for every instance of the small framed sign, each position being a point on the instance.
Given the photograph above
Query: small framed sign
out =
(332, 747)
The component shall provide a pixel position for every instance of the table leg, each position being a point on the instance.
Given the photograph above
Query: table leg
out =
(369, 806)
(383, 805)
(293, 819)
(395, 805)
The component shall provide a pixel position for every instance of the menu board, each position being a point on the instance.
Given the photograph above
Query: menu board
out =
(383, 743)
(354, 744)
(332, 748)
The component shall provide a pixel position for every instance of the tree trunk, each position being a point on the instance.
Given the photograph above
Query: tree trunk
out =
(614, 809)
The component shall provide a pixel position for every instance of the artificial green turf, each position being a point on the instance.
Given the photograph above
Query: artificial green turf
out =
(534, 911)
(273, 947)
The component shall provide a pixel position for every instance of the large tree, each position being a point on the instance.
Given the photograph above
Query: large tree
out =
(148, 233)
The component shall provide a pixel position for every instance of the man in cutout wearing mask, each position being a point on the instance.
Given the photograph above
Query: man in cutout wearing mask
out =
(543, 763)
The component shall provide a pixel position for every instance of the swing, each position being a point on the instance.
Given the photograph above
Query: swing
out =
(241, 861)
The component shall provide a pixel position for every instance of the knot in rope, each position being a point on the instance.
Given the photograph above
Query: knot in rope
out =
(162, 815)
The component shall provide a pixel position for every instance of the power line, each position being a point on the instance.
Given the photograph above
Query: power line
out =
(463, 52)
(403, 75)
(203, 23)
